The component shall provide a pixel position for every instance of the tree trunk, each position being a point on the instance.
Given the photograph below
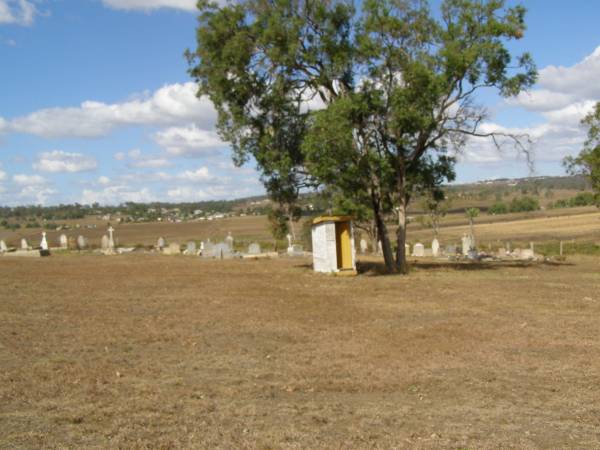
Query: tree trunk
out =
(383, 235)
(401, 263)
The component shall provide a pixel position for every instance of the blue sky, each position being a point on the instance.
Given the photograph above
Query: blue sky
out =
(96, 104)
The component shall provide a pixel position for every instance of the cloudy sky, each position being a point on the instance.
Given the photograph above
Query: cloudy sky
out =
(96, 104)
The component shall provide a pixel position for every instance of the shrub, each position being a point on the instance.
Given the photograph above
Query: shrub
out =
(498, 208)
(524, 204)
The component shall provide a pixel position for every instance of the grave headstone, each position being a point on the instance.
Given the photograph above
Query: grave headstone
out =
(173, 249)
(363, 246)
(222, 251)
(24, 244)
(44, 243)
(473, 255)
(63, 241)
(104, 242)
(418, 250)
(81, 242)
(160, 243)
(296, 250)
(527, 254)
(111, 240)
(254, 249)
(435, 247)
(467, 244)
(229, 241)
(190, 248)
(209, 250)
(407, 249)
(502, 253)
(3, 247)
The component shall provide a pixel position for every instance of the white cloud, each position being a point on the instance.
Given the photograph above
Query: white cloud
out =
(19, 12)
(188, 141)
(59, 161)
(36, 195)
(112, 195)
(147, 5)
(565, 96)
(29, 180)
(136, 159)
(103, 180)
(2, 175)
(201, 174)
(170, 105)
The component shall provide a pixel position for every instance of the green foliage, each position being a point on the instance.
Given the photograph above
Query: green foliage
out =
(524, 204)
(396, 83)
(588, 160)
(581, 199)
(472, 213)
(498, 208)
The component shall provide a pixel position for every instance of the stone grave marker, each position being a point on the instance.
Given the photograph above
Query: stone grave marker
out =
(467, 244)
(160, 243)
(435, 248)
(44, 243)
(190, 248)
(418, 250)
(81, 242)
(104, 242)
(63, 241)
(173, 249)
(24, 244)
(363, 246)
(3, 247)
(222, 251)
(295, 250)
(209, 250)
(254, 249)
(229, 241)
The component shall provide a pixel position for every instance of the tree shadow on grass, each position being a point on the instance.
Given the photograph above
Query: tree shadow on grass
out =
(376, 268)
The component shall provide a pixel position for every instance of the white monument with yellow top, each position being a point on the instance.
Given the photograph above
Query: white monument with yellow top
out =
(333, 245)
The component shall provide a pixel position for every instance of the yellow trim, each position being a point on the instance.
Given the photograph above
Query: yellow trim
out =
(322, 219)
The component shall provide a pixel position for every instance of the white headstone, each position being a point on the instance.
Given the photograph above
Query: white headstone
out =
(222, 251)
(419, 250)
(104, 242)
(208, 250)
(81, 242)
(63, 241)
(289, 238)
(174, 248)
(3, 247)
(24, 244)
(229, 241)
(363, 246)
(466, 244)
(190, 248)
(435, 247)
(111, 241)
(254, 249)
(160, 244)
(44, 243)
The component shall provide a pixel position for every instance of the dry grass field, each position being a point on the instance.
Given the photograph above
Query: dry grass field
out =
(540, 226)
(148, 351)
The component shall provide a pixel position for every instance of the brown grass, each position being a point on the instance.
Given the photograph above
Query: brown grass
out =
(143, 351)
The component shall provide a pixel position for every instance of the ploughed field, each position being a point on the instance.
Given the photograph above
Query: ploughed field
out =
(149, 351)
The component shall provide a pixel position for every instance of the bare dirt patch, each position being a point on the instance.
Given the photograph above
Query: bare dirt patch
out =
(145, 351)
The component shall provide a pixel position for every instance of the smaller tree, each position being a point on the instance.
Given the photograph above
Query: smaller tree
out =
(472, 213)
(436, 206)
(588, 161)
